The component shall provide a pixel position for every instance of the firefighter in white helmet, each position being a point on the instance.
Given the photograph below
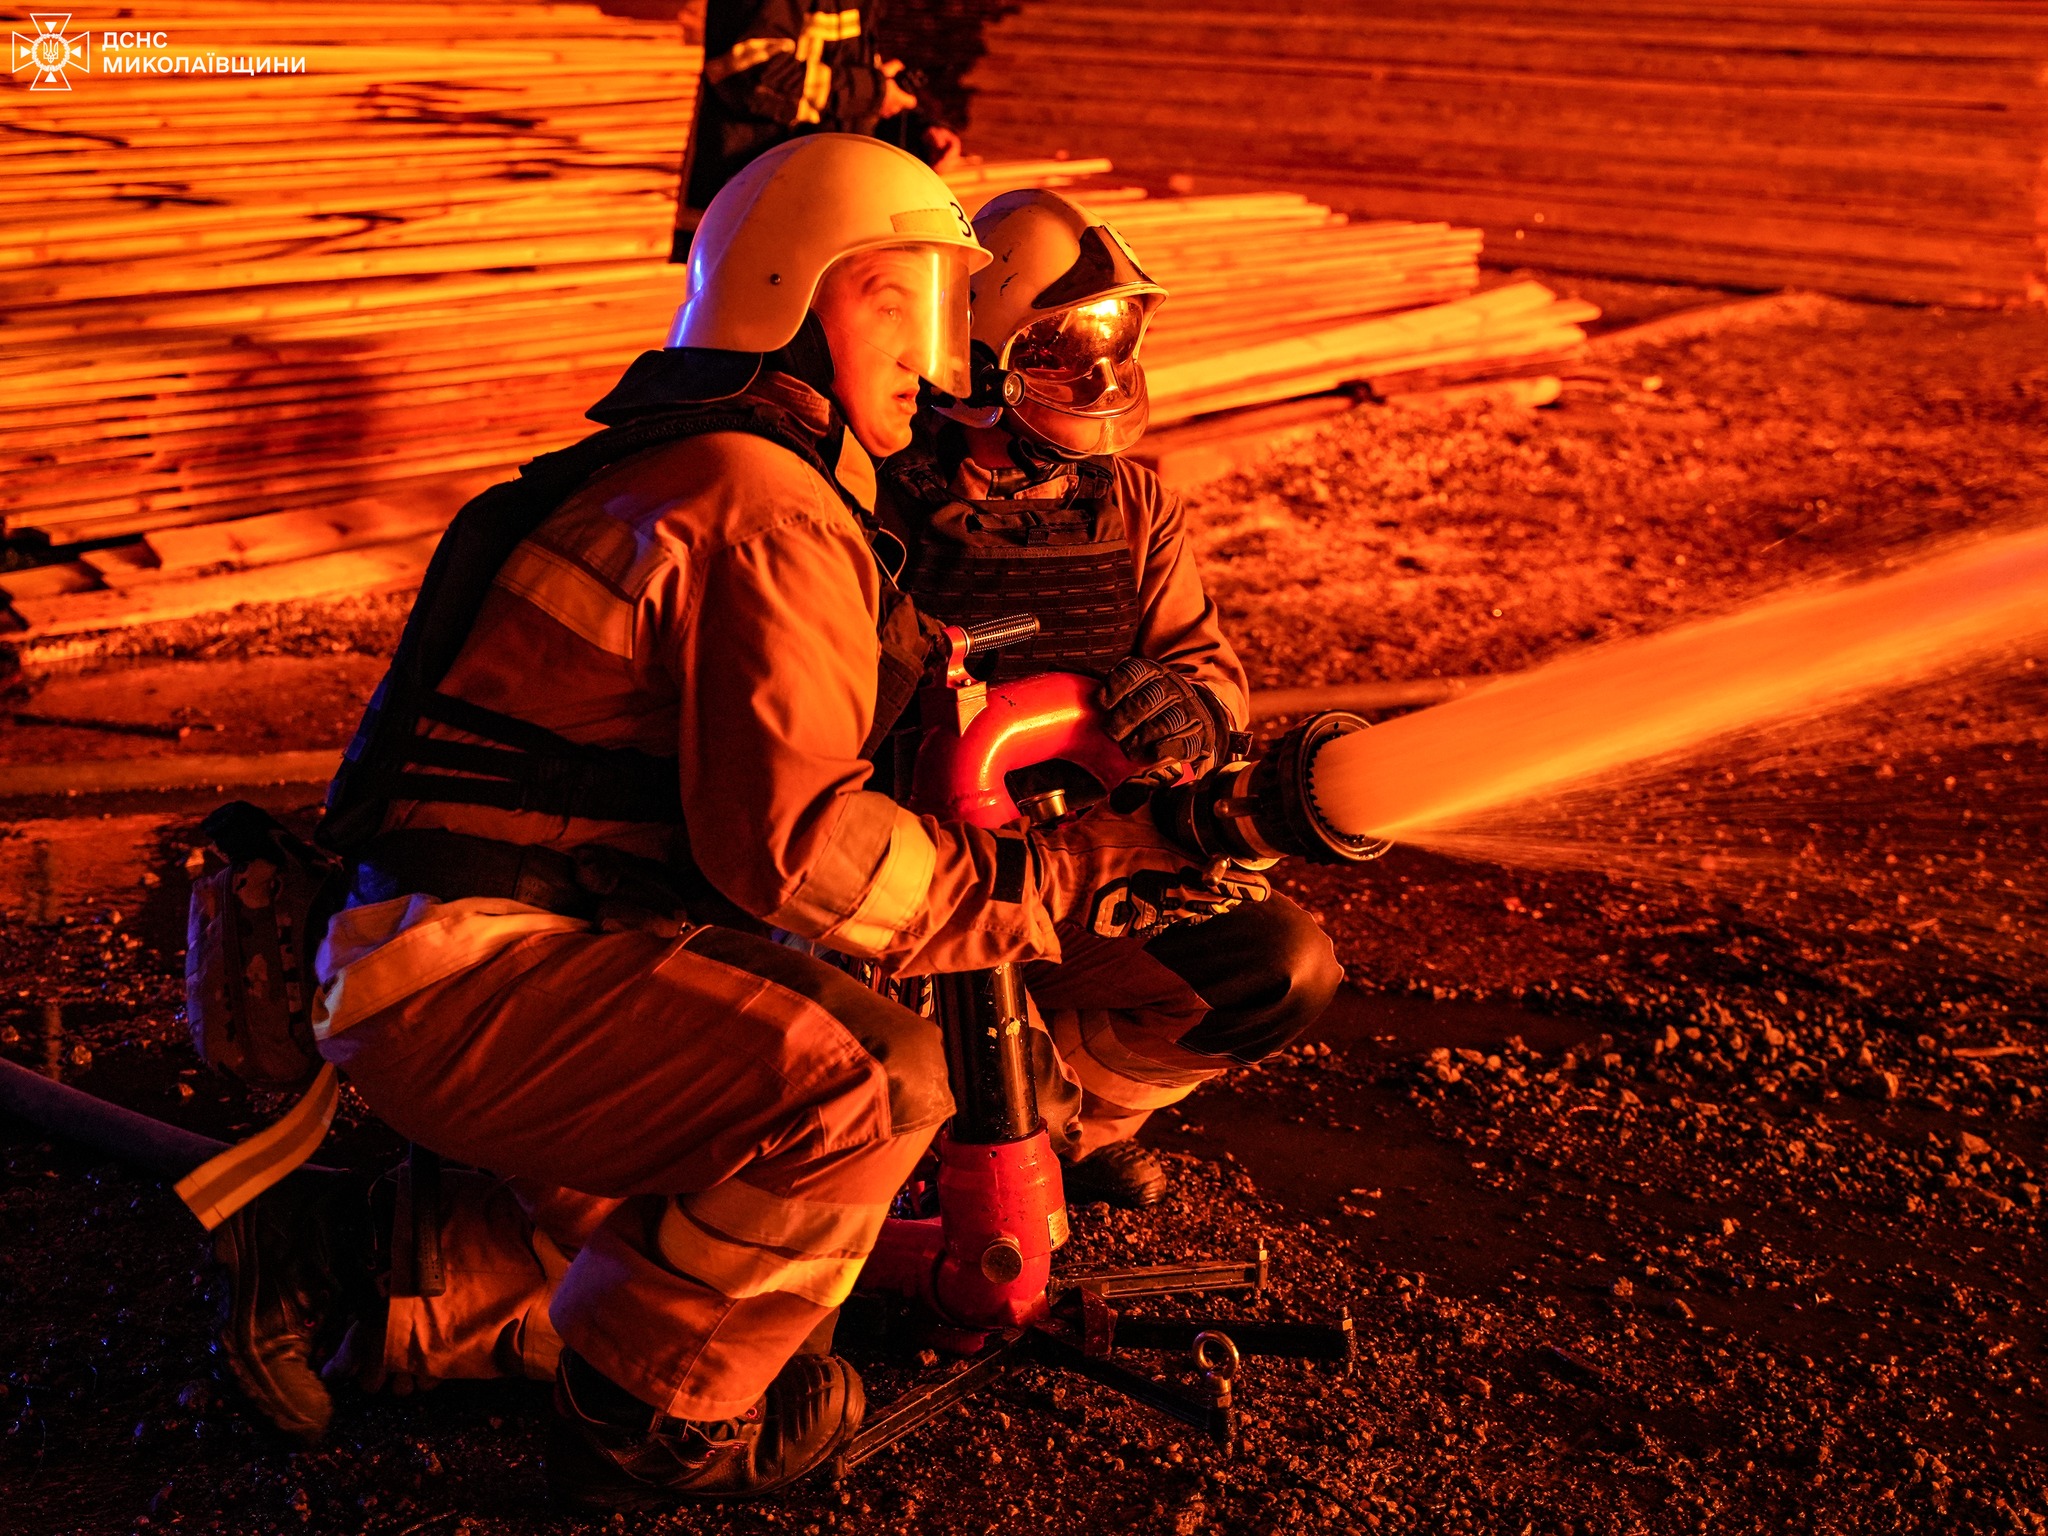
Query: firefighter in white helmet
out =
(1012, 499)
(628, 733)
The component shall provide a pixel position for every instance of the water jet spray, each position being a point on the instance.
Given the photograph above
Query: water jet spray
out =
(1329, 788)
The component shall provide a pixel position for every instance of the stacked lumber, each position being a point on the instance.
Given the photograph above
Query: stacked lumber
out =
(261, 335)
(338, 549)
(1256, 264)
(1272, 297)
(1894, 151)
(1520, 328)
(224, 296)
(335, 302)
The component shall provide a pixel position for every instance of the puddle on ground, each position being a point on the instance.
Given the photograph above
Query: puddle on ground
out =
(50, 1039)
(55, 868)
(84, 869)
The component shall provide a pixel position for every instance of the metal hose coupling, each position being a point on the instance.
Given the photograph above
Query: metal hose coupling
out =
(1261, 809)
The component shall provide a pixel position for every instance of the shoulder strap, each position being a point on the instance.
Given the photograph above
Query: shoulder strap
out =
(907, 639)
(533, 769)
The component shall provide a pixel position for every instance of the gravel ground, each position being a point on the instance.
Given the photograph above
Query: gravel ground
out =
(1662, 1202)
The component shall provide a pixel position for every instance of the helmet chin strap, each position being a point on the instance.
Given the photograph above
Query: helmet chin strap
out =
(1033, 452)
(806, 357)
(1028, 450)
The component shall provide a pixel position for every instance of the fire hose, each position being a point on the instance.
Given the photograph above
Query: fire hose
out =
(982, 1265)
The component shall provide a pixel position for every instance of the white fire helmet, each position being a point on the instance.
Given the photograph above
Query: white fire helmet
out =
(774, 229)
(1058, 319)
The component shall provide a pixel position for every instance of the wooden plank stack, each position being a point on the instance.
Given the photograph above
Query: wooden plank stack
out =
(1514, 329)
(427, 255)
(1254, 264)
(1894, 151)
(261, 335)
(1271, 296)
(223, 296)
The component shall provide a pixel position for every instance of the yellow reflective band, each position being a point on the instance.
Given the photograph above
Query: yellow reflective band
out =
(817, 88)
(739, 1210)
(378, 955)
(222, 1185)
(571, 596)
(820, 29)
(866, 880)
(747, 54)
(832, 26)
(902, 885)
(740, 1270)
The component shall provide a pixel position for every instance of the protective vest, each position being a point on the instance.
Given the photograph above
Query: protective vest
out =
(1064, 560)
(522, 766)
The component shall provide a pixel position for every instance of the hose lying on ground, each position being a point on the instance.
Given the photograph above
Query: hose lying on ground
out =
(145, 1144)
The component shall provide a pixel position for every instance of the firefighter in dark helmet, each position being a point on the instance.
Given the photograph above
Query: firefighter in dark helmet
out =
(779, 69)
(1014, 500)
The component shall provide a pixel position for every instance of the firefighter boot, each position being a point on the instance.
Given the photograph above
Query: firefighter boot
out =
(609, 1451)
(299, 1262)
(1123, 1173)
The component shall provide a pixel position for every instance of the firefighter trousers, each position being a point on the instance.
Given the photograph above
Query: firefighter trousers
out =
(1130, 1027)
(702, 1137)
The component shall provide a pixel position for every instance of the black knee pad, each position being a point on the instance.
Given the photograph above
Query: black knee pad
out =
(1265, 969)
(908, 1045)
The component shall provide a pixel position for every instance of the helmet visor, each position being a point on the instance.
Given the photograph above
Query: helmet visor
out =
(1085, 434)
(1084, 359)
(911, 303)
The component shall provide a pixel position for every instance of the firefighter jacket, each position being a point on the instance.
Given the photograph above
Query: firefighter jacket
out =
(773, 69)
(715, 601)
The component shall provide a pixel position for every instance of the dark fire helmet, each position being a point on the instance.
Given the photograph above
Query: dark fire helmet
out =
(1057, 321)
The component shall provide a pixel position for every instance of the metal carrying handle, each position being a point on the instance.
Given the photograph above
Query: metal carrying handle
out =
(1216, 1354)
(957, 642)
(998, 634)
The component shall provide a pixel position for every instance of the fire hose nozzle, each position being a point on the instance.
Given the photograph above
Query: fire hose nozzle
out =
(1264, 808)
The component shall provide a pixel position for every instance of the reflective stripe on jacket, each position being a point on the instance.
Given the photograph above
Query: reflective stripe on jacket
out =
(715, 600)
(773, 68)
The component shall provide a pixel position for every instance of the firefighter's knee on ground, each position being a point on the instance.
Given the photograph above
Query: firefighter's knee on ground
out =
(1273, 972)
(1306, 977)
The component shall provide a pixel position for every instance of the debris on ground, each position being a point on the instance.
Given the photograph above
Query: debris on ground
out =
(1656, 1210)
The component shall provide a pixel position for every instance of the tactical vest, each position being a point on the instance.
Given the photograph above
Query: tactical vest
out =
(525, 767)
(1065, 561)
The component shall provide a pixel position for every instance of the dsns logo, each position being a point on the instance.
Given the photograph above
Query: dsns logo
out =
(49, 53)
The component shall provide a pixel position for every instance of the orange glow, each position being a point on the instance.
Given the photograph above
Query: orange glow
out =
(1637, 699)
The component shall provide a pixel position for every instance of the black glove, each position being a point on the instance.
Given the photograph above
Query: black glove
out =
(1159, 715)
(1113, 875)
(1145, 903)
